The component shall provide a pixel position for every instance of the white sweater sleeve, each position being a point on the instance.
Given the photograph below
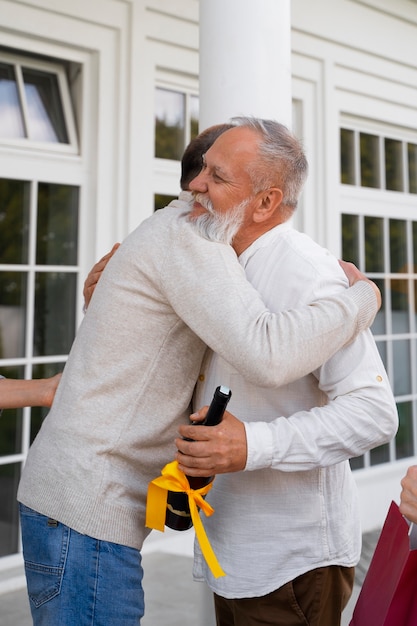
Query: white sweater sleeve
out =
(207, 288)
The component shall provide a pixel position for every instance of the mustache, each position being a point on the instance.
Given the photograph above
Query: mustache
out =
(204, 201)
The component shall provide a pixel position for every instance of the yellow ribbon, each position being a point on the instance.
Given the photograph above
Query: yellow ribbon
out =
(173, 479)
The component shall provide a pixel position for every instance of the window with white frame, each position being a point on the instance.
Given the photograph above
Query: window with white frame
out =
(381, 240)
(35, 104)
(176, 123)
(39, 217)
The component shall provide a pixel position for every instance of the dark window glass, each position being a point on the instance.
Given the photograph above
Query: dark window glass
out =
(379, 324)
(380, 455)
(374, 244)
(369, 159)
(394, 165)
(57, 231)
(357, 463)
(398, 246)
(194, 104)
(54, 324)
(347, 154)
(13, 297)
(11, 419)
(350, 238)
(404, 438)
(412, 167)
(9, 518)
(14, 220)
(169, 124)
(414, 227)
(161, 201)
(399, 306)
(402, 367)
(44, 107)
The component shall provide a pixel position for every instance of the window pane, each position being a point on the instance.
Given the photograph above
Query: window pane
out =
(169, 124)
(45, 114)
(9, 519)
(13, 286)
(11, 122)
(369, 149)
(412, 167)
(14, 220)
(399, 306)
(350, 238)
(379, 325)
(380, 455)
(415, 303)
(195, 112)
(404, 437)
(161, 201)
(11, 419)
(393, 165)
(398, 245)
(55, 297)
(57, 231)
(347, 148)
(374, 244)
(38, 414)
(402, 367)
(357, 463)
(414, 226)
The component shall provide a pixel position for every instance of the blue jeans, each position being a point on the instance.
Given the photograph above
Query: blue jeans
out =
(75, 580)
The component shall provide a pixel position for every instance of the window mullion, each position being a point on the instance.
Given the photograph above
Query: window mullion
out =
(30, 303)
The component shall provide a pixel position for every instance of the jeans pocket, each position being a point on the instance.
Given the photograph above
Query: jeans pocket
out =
(45, 547)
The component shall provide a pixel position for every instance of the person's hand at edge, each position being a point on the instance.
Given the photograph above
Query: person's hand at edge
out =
(354, 275)
(95, 274)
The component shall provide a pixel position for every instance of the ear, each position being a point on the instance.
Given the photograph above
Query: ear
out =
(268, 204)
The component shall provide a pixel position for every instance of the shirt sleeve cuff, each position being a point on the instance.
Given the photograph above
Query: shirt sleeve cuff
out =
(259, 445)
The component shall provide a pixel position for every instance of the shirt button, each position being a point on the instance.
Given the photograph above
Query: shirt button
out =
(201, 378)
(379, 379)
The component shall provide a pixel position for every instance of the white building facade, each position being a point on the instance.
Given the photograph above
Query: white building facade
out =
(98, 100)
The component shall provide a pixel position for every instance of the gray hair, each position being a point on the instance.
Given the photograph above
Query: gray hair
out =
(282, 162)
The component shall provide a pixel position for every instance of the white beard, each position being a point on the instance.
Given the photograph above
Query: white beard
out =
(219, 227)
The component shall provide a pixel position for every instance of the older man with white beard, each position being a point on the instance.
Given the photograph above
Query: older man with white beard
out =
(286, 527)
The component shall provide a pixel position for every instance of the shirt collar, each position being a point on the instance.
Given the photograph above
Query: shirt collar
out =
(263, 241)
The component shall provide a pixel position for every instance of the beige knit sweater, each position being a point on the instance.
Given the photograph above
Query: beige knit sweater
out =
(128, 382)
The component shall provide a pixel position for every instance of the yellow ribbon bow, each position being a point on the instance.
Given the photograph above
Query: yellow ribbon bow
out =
(173, 479)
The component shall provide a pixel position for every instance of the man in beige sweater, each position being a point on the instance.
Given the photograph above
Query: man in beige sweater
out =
(166, 294)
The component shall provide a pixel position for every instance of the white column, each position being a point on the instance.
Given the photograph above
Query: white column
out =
(245, 60)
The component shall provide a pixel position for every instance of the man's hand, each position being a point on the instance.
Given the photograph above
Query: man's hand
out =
(94, 275)
(215, 449)
(408, 504)
(354, 275)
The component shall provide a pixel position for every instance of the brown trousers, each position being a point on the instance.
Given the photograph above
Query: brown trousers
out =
(316, 598)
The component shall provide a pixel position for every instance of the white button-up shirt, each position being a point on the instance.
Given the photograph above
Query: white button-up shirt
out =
(295, 507)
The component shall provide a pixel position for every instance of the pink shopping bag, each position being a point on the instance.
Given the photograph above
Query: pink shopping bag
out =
(389, 593)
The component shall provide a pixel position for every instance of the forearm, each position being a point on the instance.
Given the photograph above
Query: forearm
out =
(20, 393)
(360, 415)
